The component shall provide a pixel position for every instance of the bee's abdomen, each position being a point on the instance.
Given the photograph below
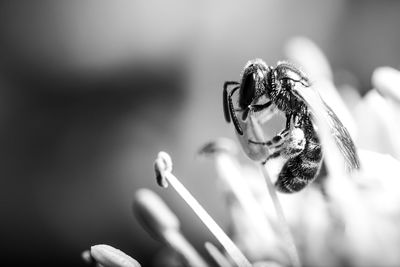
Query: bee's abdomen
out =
(301, 170)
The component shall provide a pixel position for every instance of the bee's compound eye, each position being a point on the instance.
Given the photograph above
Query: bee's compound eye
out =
(247, 90)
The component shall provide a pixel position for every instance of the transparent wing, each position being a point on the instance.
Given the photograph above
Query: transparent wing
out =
(338, 131)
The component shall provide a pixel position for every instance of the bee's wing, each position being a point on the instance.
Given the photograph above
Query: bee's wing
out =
(339, 132)
(343, 139)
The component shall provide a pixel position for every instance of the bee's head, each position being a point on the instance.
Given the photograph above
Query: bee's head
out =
(252, 84)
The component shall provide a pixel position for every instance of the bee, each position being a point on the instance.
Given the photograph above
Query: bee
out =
(263, 88)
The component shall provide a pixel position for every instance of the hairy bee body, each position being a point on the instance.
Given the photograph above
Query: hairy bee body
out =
(281, 82)
(302, 169)
(299, 170)
(298, 144)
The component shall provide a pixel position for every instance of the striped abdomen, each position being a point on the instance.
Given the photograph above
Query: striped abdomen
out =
(302, 169)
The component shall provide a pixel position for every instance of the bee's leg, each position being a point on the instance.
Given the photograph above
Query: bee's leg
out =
(291, 146)
(273, 155)
(276, 142)
(288, 144)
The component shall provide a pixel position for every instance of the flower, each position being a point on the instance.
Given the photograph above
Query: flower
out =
(342, 219)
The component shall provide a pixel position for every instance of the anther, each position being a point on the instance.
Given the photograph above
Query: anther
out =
(162, 164)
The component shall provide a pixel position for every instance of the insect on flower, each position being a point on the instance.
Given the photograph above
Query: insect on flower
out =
(265, 91)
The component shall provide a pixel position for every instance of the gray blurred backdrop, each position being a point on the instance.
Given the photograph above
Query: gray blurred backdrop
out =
(90, 91)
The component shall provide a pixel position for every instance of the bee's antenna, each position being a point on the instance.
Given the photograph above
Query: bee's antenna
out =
(225, 99)
(229, 110)
(232, 111)
(225, 103)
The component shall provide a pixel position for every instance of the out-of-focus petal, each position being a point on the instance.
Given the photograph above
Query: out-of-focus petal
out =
(112, 257)
(378, 123)
(306, 53)
(160, 222)
(387, 81)
(312, 60)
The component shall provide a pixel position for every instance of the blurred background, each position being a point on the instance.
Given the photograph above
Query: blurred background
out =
(90, 91)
